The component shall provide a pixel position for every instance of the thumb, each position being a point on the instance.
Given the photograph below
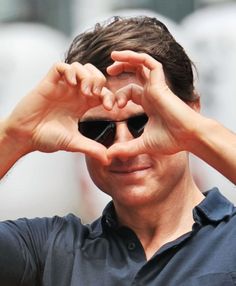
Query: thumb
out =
(90, 148)
(126, 149)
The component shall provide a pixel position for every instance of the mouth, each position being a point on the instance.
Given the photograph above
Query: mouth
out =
(130, 170)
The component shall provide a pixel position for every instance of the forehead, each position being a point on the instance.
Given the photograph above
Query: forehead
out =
(114, 84)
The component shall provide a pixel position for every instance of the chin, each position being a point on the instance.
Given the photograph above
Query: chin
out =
(132, 196)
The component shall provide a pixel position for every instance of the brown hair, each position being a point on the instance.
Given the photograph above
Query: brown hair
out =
(140, 34)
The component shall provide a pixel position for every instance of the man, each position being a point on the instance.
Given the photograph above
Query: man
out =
(130, 87)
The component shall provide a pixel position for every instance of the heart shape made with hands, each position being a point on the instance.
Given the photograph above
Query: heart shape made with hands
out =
(128, 93)
(166, 112)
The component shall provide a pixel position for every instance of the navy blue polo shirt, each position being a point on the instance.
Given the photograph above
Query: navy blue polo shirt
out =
(62, 251)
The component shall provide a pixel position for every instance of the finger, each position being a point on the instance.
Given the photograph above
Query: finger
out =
(156, 77)
(89, 147)
(83, 77)
(73, 74)
(108, 98)
(126, 149)
(57, 71)
(99, 80)
(117, 68)
(132, 92)
(134, 58)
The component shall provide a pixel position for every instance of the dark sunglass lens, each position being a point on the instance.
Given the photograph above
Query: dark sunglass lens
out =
(108, 135)
(101, 131)
(136, 124)
(92, 129)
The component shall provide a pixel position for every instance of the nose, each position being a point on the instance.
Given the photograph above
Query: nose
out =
(122, 133)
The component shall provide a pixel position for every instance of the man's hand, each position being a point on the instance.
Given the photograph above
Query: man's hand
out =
(47, 118)
(171, 121)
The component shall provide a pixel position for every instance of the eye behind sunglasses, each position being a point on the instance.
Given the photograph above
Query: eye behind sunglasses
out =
(104, 131)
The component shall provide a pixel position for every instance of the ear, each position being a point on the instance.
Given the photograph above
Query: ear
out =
(196, 104)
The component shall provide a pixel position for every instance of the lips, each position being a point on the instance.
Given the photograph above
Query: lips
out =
(131, 166)
(127, 170)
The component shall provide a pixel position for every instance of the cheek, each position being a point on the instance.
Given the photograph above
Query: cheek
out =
(170, 168)
(95, 171)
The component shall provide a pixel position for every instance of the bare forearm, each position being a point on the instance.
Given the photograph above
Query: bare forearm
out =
(216, 145)
(10, 151)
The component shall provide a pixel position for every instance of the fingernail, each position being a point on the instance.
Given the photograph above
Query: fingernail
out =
(108, 103)
(73, 80)
(120, 102)
(86, 90)
(97, 90)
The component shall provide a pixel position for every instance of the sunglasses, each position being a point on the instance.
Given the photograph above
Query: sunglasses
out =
(104, 131)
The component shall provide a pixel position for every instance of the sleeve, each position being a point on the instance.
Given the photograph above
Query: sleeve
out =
(23, 247)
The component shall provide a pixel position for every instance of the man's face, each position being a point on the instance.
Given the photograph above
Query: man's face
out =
(132, 181)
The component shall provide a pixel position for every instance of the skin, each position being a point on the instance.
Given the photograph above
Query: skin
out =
(145, 186)
(134, 180)
(46, 118)
(147, 177)
(184, 128)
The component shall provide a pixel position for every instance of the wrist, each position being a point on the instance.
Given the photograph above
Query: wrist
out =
(204, 135)
(11, 148)
(216, 145)
(197, 136)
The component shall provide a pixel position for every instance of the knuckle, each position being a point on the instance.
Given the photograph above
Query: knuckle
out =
(160, 65)
(76, 65)
(143, 54)
(59, 66)
(56, 65)
(89, 65)
(102, 79)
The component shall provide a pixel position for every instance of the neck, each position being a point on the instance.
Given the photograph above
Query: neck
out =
(162, 220)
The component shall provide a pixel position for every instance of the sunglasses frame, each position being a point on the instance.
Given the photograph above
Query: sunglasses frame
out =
(109, 131)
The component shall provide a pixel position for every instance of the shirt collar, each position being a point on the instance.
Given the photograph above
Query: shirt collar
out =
(109, 218)
(214, 208)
